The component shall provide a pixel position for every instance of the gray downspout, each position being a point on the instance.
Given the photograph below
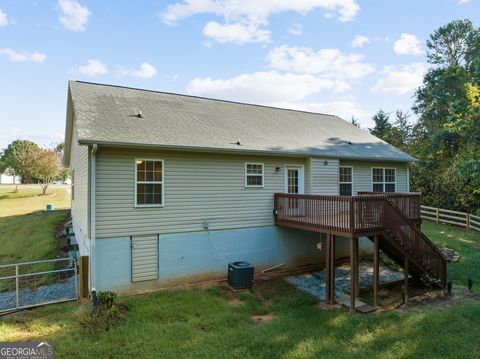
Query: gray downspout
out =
(93, 273)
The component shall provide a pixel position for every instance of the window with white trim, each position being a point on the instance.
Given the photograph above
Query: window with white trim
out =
(254, 175)
(345, 180)
(149, 182)
(383, 179)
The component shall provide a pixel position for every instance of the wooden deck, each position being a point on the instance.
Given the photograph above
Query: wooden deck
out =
(349, 216)
(391, 220)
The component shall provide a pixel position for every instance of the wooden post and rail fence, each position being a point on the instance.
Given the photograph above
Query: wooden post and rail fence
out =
(456, 218)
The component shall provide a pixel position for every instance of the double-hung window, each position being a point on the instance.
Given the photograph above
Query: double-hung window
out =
(149, 183)
(254, 175)
(345, 180)
(383, 179)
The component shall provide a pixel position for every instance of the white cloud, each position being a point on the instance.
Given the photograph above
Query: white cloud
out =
(237, 33)
(265, 87)
(23, 56)
(74, 16)
(408, 45)
(400, 80)
(463, 1)
(145, 71)
(3, 19)
(359, 41)
(296, 29)
(251, 16)
(93, 68)
(331, 63)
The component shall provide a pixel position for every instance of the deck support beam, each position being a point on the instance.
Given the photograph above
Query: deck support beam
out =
(376, 269)
(353, 272)
(406, 270)
(330, 270)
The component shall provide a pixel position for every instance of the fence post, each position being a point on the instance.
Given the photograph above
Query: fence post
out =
(16, 286)
(437, 217)
(76, 278)
(468, 221)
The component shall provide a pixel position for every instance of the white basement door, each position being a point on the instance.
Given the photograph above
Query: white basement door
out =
(144, 257)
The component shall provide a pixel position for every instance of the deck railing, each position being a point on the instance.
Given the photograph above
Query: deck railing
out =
(408, 203)
(360, 214)
(364, 215)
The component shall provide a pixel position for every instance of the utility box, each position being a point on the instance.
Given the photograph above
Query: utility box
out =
(240, 275)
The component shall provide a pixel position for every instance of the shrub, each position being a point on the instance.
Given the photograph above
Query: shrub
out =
(107, 314)
(106, 298)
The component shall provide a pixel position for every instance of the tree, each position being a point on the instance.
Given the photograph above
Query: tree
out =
(15, 158)
(383, 127)
(64, 173)
(455, 44)
(356, 122)
(446, 137)
(43, 164)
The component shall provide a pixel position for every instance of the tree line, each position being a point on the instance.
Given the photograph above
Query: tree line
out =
(31, 162)
(445, 137)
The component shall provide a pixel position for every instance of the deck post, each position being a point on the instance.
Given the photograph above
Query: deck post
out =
(353, 272)
(406, 276)
(330, 270)
(376, 269)
(327, 270)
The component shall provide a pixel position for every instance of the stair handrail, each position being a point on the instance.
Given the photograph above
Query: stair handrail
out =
(414, 227)
(441, 271)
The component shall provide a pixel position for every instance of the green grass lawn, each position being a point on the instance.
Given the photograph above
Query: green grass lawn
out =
(27, 232)
(215, 323)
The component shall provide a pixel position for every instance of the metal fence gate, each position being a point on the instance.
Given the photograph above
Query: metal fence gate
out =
(31, 284)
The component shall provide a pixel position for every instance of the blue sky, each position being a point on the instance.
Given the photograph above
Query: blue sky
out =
(346, 57)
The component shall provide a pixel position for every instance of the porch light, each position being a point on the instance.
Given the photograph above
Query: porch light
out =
(325, 163)
(277, 169)
(139, 162)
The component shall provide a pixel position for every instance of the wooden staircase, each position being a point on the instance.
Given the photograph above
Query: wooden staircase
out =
(402, 240)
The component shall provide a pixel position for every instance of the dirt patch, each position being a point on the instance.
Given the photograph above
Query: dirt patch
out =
(263, 318)
(235, 302)
(439, 299)
(61, 239)
(324, 306)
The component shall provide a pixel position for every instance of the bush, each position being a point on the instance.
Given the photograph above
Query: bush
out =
(106, 298)
(107, 314)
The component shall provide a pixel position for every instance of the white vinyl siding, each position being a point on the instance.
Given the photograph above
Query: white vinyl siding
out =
(362, 174)
(79, 166)
(198, 187)
(323, 175)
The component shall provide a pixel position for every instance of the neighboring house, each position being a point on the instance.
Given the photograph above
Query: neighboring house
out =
(6, 178)
(169, 188)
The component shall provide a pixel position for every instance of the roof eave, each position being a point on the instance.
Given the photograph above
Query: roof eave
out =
(241, 151)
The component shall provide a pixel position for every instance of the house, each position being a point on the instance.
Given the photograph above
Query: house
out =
(6, 178)
(169, 188)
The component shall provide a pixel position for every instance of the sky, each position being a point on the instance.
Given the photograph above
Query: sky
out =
(343, 57)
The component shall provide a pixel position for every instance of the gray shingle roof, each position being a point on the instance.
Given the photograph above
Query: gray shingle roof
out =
(105, 114)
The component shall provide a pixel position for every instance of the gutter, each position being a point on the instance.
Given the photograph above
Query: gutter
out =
(92, 181)
(279, 153)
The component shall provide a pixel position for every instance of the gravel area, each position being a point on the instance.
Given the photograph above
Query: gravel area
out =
(43, 294)
(314, 283)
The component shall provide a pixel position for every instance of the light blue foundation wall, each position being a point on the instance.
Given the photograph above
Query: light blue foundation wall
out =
(205, 255)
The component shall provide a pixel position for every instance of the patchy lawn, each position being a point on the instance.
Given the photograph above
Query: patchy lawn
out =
(27, 232)
(205, 324)
(275, 320)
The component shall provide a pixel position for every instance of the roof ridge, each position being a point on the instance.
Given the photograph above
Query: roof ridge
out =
(206, 98)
